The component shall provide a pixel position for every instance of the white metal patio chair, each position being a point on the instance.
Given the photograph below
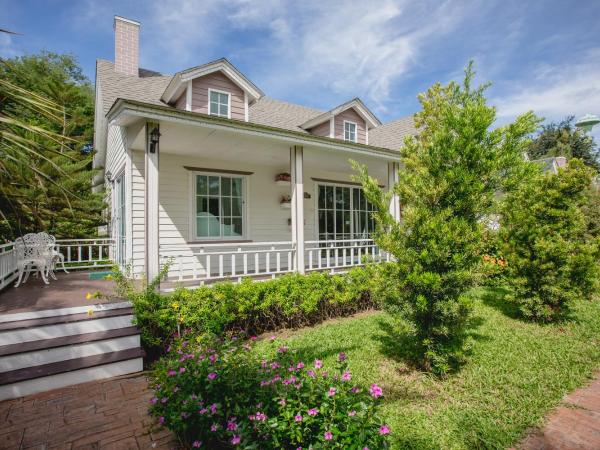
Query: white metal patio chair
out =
(54, 256)
(31, 252)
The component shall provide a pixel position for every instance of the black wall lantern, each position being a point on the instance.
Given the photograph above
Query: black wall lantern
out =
(154, 138)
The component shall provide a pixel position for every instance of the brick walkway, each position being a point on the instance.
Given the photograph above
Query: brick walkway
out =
(574, 425)
(106, 414)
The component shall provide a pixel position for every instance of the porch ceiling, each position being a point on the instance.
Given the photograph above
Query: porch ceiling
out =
(179, 139)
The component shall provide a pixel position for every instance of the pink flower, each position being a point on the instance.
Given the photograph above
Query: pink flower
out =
(342, 357)
(212, 376)
(202, 411)
(311, 373)
(263, 364)
(331, 392)
(161, 420)
(275, 365)
(352, 413)
(214, 427)
(272, 338)
(196, 444)
(213, 408)
(232, 426)
(384, 429)
(346, 376)
(355, 390)
(153, 400)
(282, 402)
(253, 338)
(300, 365)
(318, 363)
(212, 358)
(164, 400)
(171, 373)
(260, 416)
(375, 391)
(182, 370)
(298, 418)
(313, 412)
(282, 349)
(328, 436)
(235, 440)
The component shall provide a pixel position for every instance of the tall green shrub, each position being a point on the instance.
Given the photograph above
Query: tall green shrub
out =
(551, 257)
(452, 169)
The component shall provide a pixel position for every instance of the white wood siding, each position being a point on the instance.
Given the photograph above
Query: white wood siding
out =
(138, 199)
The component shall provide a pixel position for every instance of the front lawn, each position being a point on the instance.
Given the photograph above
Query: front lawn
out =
(516, 373)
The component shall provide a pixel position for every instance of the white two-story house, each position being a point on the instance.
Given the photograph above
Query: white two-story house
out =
(206, 171)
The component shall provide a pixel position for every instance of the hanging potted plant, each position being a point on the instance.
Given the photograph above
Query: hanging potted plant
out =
(283, 179)
(286, 202)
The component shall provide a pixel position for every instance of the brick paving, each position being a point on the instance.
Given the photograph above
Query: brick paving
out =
(105, 414)
(574, 425)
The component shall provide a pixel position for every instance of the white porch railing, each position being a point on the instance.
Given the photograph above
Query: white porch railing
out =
(208, 262)
(78, 254)
(211, 262)
(341, 254)
(8, 264)
(86, 253)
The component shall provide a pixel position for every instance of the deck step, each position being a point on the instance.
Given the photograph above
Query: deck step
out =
(59, 319)
(45, 370)
(66, 352)
(107, 369)
(47, 344)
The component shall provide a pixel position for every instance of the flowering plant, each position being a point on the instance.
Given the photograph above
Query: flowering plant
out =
(222, 395)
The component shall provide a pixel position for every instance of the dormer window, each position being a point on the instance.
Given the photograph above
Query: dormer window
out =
(349, 131)
(219, 103)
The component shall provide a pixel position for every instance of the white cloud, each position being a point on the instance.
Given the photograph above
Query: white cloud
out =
(555, 92)
(347, 47)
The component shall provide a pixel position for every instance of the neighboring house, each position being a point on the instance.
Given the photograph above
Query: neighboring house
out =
(205, 170)
(551, 163)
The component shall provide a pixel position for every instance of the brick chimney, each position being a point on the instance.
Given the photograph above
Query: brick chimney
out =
(127, 43)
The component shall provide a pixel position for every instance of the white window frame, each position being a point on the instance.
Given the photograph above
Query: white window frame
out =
(316, 206)
(355, 131)
(193, 235)
(228, 94)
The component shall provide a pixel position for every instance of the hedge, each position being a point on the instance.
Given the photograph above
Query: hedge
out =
(251, 307)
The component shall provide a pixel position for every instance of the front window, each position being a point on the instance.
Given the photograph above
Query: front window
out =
(344, 213)
(349, 131)
(219, 206)
(219, 103)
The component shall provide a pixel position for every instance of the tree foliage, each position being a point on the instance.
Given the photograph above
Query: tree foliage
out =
(565, 139)
(552, 257)
(453, 168)
(46, 116)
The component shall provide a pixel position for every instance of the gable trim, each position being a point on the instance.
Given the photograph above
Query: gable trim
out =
(355, 104)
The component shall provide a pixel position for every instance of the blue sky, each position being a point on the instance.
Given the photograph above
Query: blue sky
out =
(540, 55)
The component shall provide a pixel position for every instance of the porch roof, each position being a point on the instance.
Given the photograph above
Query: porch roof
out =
(122, 109)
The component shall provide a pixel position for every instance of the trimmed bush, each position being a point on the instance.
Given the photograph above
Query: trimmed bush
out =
(551, 256)
(251, 307)
(223, 396)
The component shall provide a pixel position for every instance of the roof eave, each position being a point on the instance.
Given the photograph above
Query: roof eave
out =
(156, 112)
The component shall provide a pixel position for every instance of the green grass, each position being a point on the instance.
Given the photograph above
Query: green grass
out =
(516, 373)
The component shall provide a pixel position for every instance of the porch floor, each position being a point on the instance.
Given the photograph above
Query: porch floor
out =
(69, 290)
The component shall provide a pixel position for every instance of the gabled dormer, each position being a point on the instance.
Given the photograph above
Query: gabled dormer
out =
(350, 121)
(216, 88)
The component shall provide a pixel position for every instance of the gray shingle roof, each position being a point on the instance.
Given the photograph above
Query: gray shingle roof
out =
(149, 87)
(391, 134)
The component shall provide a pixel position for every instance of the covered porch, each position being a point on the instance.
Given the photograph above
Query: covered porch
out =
(219, 204)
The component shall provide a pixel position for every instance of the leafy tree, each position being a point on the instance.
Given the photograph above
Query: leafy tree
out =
(551, 259)
(451, 171)
(565, 139)
(46, 116)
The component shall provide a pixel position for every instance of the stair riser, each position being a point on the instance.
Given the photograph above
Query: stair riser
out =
(43, 384)
(91, 325)
(40, 357)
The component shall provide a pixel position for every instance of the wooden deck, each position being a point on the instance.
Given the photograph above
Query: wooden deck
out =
(69, 290)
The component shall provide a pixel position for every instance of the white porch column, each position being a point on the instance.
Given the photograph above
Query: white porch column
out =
(296, 170)
(152, 208)
(393, 168)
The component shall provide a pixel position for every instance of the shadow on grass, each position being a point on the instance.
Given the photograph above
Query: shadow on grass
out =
(496, 297)
(402, 345)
